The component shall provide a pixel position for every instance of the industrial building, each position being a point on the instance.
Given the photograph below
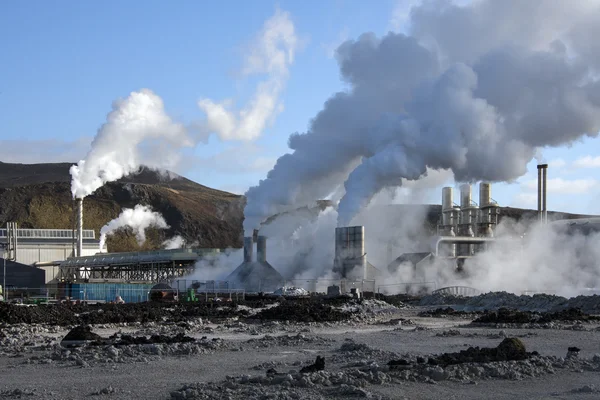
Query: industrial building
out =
(20, 275)
(255, 275)
(39, 245)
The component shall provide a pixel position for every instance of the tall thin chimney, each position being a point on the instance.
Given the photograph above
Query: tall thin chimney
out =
(79, 227)
(544, 208)
(248, 249)
(261, 249)
(542, 191)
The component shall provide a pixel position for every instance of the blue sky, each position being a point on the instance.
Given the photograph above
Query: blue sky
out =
(64, 62)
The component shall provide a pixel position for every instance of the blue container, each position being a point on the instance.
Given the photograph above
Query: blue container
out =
(129, 292)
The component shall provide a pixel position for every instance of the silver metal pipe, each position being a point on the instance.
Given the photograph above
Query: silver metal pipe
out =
(79, 227)
(539, 193)
(544, 208)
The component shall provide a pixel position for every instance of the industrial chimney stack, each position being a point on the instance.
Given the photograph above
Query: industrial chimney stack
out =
(542, 191)
(248, 249)
(261, 249)
(79, 227)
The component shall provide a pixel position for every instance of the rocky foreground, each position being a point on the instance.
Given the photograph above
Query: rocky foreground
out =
(301, 349)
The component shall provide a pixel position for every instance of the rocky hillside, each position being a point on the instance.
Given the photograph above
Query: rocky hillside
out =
(39, 196)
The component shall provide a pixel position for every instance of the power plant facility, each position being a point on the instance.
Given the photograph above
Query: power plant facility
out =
(74, 257)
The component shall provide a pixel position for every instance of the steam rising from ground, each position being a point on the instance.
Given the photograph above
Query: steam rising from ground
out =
(139, 219)
(135, 130)
(474, 89)
(176, 242)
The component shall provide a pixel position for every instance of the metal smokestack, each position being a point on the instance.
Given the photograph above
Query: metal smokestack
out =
(248, 249)
(542, 191)
(79, 227)
(261, 249)
(544, 209)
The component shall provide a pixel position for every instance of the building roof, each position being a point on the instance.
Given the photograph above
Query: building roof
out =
(146, 257)
(49, 233)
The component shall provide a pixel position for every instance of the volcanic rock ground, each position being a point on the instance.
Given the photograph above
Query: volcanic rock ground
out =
(372, 349)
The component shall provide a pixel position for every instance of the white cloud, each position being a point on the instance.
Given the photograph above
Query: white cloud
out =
(564, 186)
(587, 162)
(271, 54)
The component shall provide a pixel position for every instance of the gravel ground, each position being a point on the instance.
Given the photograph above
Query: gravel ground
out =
(252, 359)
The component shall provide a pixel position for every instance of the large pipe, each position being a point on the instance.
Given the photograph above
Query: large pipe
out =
(545, 210)
(248, 249)
(539, 193)
(261, 249)
(79, 227)
(485, 194)
(465, 196)
(542, 192)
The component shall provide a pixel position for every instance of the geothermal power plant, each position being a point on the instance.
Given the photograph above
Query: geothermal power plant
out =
(70, 264)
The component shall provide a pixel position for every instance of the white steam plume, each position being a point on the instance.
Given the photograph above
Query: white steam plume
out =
(475, 90)
(272, 54)
(136, 125)
(138, 218)
(547, 259)
(176, 242)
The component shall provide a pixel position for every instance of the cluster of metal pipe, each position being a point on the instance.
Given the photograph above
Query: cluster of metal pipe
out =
(467, 219)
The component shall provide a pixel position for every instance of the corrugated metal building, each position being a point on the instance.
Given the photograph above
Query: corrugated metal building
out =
(44, 245)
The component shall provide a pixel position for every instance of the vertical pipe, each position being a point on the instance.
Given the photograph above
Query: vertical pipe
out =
(79, 227)
(248, 249)
(540, 193)
(261, 249)
(545, 193)
(16, 239)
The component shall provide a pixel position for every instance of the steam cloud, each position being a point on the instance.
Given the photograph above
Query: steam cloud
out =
(176, 242)
(136, 123)
(272, 54)
(474, 89)
(139, 219)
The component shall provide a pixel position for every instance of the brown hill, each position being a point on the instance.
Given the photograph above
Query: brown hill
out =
(39, 196)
